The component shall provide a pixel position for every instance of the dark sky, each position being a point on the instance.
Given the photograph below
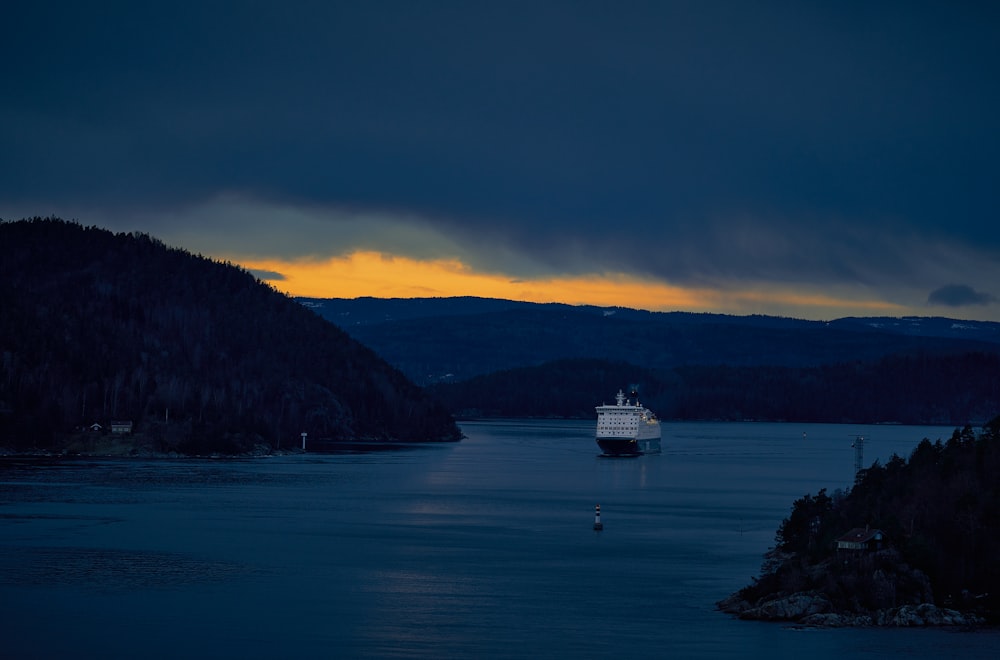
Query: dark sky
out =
(849, 148)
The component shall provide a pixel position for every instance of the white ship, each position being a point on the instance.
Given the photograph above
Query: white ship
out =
(627, 428)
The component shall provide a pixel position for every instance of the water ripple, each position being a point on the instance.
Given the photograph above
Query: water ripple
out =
(108, 569)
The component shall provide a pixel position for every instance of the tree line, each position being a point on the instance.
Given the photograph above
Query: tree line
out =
(915, 387)
(199, 354)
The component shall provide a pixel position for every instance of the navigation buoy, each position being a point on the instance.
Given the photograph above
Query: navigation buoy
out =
(598, 525)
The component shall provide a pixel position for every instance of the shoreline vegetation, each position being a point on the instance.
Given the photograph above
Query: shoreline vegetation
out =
(930, 528)
(97, 445)
(115, 446)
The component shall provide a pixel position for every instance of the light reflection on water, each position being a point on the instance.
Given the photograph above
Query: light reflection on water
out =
(483, 548)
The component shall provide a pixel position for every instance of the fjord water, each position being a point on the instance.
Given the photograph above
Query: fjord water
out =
(480, 549)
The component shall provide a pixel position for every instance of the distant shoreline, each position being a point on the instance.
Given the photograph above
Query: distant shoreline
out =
(126, 450)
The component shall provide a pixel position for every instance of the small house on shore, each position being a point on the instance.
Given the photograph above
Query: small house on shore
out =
(122, 427)
(861, 539)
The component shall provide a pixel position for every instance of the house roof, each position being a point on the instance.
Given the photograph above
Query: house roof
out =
(860, 535)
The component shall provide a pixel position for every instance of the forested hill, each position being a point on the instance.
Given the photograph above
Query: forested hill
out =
(199, 355)
(488, 357)
(939, 515)
(454, 339)
(906, 388)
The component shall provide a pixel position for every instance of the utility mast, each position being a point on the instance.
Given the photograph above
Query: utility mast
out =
(859, 457)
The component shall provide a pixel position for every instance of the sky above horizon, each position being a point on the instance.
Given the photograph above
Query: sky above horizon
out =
(806, 159)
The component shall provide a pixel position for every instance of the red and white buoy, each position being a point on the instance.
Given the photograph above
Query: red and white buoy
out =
(598, 525)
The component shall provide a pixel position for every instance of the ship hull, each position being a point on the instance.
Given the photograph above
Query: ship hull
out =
(628, 446)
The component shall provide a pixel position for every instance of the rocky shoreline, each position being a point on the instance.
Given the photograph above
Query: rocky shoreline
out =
(814, 609)
(129, 450)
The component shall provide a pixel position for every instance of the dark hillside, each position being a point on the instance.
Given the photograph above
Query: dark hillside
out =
(200, 355)
(366, 310)
(442, 339)
(564, 388)
(910, 388)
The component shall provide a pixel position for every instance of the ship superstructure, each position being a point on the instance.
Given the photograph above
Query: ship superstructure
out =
(627, 428)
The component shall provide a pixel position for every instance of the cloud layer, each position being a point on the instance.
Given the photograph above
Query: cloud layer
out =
(959, 295)
(720, 145)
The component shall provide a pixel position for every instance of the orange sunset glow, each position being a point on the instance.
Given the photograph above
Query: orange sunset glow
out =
(388, 276)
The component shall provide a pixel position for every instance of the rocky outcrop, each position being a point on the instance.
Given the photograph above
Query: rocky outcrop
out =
(791, 607)
(925, 614)
(813, 608)
(870, 589)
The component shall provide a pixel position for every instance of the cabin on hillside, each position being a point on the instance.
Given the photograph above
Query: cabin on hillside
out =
(121, 427)
(861, 539)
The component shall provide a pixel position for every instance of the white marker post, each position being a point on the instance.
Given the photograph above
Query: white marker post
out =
(598, 525)
(304, 434)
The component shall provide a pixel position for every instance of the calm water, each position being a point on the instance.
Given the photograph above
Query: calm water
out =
(483, 548)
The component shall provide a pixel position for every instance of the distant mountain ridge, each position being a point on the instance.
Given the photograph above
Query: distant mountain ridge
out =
(502, 358)
(367, 310)
(454, 339)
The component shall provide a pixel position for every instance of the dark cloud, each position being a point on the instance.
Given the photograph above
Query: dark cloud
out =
(267, 275)
(959, 295)
(692, 141)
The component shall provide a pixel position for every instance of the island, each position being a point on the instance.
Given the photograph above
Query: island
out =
(913, 543)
